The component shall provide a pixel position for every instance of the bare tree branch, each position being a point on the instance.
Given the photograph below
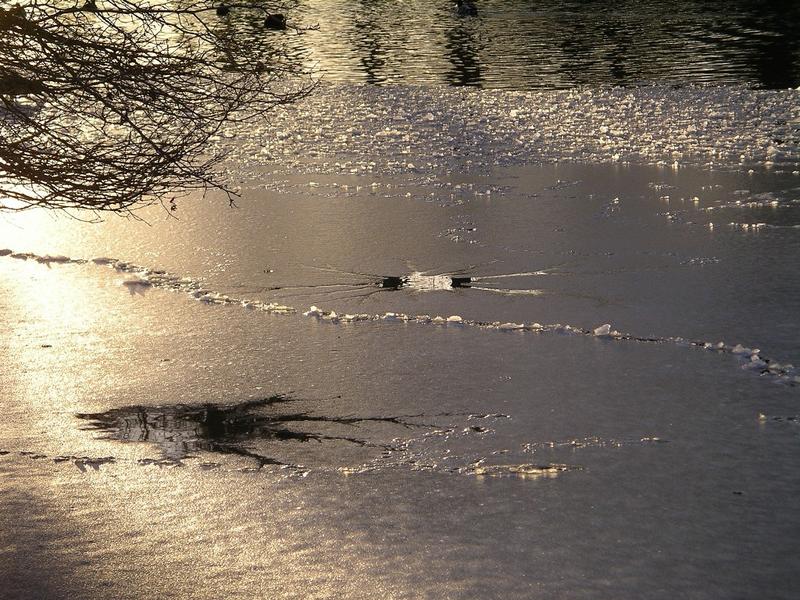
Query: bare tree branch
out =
(110, 104)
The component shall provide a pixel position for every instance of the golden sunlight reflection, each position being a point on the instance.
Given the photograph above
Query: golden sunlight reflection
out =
(66, 328)
(40, 231)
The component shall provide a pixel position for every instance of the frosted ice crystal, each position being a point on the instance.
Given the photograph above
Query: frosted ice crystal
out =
(343, 128)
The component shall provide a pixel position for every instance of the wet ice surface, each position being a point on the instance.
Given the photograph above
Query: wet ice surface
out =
(504, 390)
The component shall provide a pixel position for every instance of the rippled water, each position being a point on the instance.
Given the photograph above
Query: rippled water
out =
(553, 44)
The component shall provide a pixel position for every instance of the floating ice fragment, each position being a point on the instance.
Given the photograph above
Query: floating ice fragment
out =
(313, 312)
(215, 298)
(524, 471)
(755, 364)
(47, 259)
(602, 331)
(455, 319)
(136, 281)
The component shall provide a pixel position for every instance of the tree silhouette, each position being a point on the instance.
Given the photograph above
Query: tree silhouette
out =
(109, 105)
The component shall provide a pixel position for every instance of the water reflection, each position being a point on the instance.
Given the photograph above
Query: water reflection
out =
(182, 430)
(367, 41)
(464, 50)
(522, 44)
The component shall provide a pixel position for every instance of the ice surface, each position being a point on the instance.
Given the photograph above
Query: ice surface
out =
(140, 278)
(369, 130)
(508, 377)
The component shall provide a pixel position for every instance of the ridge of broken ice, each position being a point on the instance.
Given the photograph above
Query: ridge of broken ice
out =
(139, 278)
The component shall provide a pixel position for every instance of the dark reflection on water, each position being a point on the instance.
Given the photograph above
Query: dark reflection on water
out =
(528, 44)
(181, 430)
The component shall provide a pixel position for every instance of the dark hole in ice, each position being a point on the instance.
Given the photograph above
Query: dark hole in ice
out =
(180, 430)
(393, 283)
(420, 282)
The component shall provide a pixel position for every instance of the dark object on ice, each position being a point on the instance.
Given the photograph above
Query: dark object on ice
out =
(465, 8)
(222, 10)
(460, 282)
(275, 21)
(90, 6)
(393, 283)
(180, 430)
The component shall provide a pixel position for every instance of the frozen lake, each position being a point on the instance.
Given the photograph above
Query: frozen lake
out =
(451, 343)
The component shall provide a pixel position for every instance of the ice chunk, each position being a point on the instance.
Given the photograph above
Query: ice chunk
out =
(313, 312)
(136, 281)
(47, 259)
(602, 331)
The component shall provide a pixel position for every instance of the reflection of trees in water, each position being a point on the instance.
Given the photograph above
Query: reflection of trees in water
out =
(560, 43)
(463, 47)
(180, 430)
(367, 39)
(691, 41)
(776, 51)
